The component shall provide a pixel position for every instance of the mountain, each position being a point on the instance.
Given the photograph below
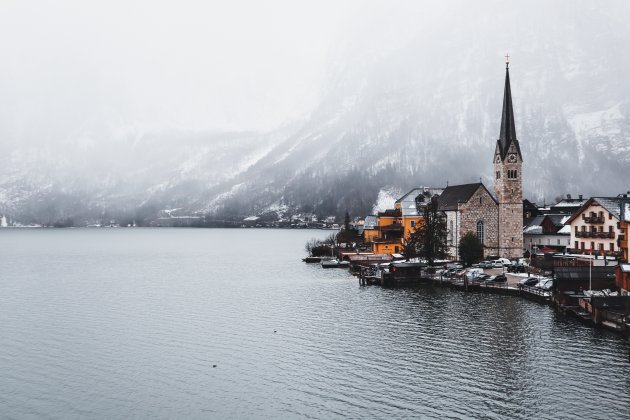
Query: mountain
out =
(414, 99)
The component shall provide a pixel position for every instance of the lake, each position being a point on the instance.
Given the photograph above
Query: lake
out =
(230, 323)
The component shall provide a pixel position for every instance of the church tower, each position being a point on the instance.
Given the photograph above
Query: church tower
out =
(508, 185)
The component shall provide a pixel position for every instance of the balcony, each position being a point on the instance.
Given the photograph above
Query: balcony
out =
(599, 235)
(594, 219)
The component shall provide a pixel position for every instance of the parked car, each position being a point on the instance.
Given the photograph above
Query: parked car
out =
(506, 262)
(473, 273)
(545, 284)
(499, 278)
(497, 264)
(454, 264)
(485, 264)
(528, 281)
(517, 268)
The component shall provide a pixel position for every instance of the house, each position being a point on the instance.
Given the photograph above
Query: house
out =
(567, 205)
(623, 270)
(529, 211)
(411, 206)
(390, 232)
(547, 232)
(597, 227)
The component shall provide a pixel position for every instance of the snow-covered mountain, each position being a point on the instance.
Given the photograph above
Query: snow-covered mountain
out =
(412, 102)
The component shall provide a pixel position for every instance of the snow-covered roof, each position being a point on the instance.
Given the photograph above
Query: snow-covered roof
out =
(625, 268)
(408, 201)
(370, 222)
(569, 203)
(566, 229)
(626, 211)
(251, 219)
(532, 230)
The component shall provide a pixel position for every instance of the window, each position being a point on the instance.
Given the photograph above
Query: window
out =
(480, 200)
(576, 231)
(583, 228)
(498, 174)
(601, 247)
(577, 244)
(610, 228)
(558, 241)
(480, 231)
(592, 245)
(612, 247)
(512, 173)
(582, 245)
(413, 223)
(396, 249)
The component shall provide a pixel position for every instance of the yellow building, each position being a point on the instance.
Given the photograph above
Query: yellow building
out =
(388, 230)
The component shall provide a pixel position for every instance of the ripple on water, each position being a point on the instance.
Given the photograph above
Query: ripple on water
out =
(129, 323)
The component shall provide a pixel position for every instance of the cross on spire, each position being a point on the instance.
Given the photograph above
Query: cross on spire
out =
(507, 60)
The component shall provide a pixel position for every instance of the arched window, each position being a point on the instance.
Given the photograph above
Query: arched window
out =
(480, 231)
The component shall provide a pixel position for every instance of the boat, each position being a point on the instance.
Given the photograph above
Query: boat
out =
(334, 263)
(312, 259)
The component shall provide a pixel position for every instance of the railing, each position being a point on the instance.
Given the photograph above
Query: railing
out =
(536, 291)
(602, 235)
(594, 219)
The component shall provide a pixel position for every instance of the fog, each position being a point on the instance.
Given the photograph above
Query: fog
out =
(237, 65)
(250, 107)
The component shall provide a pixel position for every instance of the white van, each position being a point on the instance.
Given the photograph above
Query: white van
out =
(505, 262)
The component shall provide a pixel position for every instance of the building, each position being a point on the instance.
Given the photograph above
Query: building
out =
(567, 205)
(411, 206)
(508, 184)
(497, 220)
(470, 208)
(547, 232)
(597, 226)
(388, 230)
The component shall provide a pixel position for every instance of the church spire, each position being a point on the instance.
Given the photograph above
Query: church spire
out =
(508, 130)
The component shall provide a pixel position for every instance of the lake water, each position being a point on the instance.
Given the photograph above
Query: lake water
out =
(128, 323)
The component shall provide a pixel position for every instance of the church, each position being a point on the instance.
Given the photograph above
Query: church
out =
(496, 219)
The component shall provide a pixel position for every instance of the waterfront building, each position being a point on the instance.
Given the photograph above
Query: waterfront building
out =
(597, 227)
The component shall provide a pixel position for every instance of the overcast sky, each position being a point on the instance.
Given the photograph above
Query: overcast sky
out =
(229, 65)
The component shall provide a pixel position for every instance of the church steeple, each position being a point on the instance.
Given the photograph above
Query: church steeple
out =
(507, 135)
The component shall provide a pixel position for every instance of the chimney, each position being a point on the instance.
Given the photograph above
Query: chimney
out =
(568, 196)
(580, 196)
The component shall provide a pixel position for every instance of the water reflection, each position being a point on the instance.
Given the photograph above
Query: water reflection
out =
(129, 323)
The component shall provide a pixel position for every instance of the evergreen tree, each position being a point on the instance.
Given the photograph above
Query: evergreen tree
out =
(470, 249)
(429, 240)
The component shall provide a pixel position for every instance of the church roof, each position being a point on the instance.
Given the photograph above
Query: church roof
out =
(507, 135)
(454, 194)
